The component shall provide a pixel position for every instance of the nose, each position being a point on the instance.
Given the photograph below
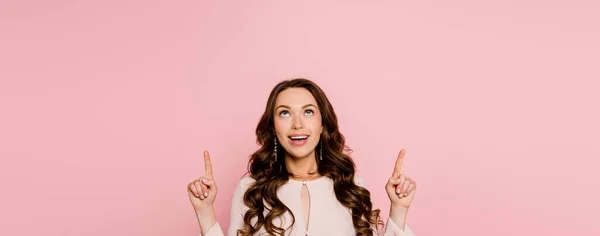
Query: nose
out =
(297, 123)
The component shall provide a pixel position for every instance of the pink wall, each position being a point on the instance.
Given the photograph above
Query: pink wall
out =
(107, 106)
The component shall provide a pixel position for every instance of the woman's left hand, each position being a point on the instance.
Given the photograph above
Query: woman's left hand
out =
(400, 188)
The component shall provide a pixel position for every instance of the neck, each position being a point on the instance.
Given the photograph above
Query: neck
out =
(302, 167)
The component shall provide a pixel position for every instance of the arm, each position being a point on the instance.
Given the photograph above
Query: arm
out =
(236, 214)
(202, 193)
(207, 221)
(401, 191)
(396, 219)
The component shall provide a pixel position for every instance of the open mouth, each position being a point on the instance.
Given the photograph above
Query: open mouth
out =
(298, 140)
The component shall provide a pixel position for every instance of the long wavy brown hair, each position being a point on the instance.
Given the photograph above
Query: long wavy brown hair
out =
(270, 172)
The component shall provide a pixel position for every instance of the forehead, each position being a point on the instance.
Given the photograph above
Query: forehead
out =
(295, 97)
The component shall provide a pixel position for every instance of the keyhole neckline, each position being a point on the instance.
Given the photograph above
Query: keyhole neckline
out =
(308, 181)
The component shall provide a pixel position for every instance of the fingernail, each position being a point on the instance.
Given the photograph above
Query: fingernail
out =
(397, 190)
(405, 194)
(203, 180)
(197, 195)
(206, 194)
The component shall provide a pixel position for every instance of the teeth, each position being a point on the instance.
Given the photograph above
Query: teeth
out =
(298, 137)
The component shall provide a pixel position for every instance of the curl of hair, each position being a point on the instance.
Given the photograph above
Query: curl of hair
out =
(270, 173)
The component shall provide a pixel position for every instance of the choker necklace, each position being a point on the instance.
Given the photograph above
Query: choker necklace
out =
(305, 178)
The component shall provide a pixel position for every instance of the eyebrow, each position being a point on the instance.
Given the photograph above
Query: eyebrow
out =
(288, 107)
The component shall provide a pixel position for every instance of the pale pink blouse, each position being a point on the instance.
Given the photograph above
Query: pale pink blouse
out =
(327, 216)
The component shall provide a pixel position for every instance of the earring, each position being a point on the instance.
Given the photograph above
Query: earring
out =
(321, 156)
(275, 149)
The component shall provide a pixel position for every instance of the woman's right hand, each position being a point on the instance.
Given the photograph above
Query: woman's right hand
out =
(203, 191)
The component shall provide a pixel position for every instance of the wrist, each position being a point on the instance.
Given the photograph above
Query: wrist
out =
(398, 207)
(206, 218)
(398, 215)
(398, 210)
(204, 210)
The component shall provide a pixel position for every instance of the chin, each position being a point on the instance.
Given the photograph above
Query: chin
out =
(299, 153)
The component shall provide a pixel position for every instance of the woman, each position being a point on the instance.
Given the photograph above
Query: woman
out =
(300, 180)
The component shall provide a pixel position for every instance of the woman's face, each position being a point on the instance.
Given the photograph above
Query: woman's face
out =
(297, 122)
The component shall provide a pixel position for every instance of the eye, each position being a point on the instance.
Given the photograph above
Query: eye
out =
(309, 112)
(284, 113)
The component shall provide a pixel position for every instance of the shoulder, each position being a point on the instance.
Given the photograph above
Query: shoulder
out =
(244, 183)
(360, 181)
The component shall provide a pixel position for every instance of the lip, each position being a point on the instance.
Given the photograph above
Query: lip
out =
(298, 143)
(294, 135)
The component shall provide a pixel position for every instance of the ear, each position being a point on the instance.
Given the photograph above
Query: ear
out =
(321, 129)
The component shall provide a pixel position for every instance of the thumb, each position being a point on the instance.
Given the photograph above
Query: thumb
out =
(209, 182)
(392, 182)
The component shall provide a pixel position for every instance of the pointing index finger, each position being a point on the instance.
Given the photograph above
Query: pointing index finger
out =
(207, 164)
(398, 166)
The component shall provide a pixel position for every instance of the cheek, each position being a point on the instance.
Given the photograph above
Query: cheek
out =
(315, 126)
(280, 125)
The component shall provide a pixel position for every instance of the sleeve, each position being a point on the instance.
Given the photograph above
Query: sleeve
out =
(391, 229)
(236, 214)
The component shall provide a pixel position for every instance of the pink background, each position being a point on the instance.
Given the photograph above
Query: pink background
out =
(106, 107)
